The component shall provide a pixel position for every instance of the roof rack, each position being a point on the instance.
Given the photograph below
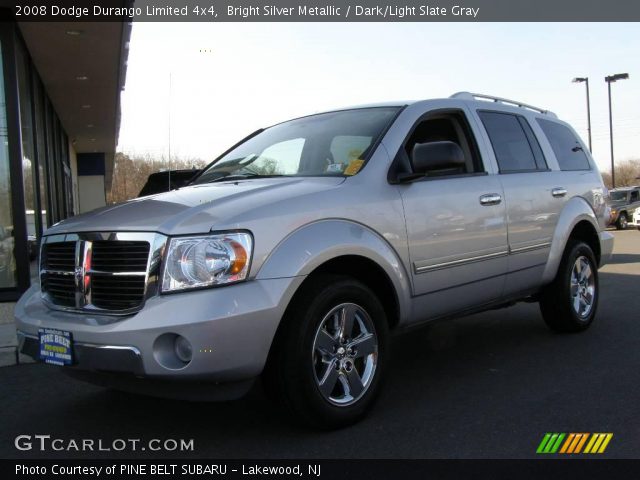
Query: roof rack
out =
(505, 101)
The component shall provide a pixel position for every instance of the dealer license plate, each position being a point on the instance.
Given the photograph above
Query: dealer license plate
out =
(56, 346)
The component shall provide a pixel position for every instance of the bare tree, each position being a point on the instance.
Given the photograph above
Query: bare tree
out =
(130, 173)
(627, 174)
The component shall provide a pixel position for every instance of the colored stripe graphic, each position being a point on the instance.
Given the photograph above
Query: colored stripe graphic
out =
(598, 442)
(550, 443)
(574, 443)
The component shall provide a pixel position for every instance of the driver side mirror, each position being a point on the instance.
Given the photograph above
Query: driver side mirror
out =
(427, 157)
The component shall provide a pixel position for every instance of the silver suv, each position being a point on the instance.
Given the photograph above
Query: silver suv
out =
(298, 251)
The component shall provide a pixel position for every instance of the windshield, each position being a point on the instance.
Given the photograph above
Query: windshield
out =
(616, 196)
(331, 144)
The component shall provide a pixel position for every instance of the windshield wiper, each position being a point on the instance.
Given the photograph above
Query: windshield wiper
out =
(243, 176)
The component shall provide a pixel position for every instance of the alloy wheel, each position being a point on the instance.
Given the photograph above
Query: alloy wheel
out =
(583, 287)
(345, 354)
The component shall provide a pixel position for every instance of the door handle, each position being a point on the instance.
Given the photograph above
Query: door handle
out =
(490, 199)
(559, 192)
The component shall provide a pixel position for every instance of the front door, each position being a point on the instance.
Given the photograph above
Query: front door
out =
(456, 224)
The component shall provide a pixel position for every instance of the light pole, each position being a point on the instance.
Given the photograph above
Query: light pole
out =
(586, 82)
(610, 79)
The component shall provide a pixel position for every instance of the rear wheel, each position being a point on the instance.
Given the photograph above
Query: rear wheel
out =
(570, 302)
(622, 221)
(329, 357)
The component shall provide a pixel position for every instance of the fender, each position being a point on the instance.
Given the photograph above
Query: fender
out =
(575, 210)
(315, 243)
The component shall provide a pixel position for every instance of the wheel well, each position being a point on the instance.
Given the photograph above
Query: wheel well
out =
(587, 233)
(371, 274)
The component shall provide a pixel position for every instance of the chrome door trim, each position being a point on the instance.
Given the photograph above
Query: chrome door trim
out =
(528, 248)
(422, 267)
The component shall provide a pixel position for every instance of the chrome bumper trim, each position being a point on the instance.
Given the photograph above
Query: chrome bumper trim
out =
(91, 356)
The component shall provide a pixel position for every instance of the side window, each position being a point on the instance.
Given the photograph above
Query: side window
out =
(565, 146)
(452, 127)
(635, 196)
(514, 144)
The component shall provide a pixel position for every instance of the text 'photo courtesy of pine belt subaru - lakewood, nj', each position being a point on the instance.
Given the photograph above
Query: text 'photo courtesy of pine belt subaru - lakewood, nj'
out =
(296, 254)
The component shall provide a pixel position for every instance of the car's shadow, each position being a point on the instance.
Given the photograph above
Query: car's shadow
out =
(620, 258)
(449, 385)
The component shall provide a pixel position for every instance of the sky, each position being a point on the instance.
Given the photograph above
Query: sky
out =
(197, 88)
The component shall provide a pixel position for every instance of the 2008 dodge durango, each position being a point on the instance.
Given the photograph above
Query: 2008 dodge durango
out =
(296, 253)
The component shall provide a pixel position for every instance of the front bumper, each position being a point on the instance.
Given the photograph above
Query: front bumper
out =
(230, 329)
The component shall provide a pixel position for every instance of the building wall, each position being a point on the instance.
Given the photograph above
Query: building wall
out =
(91, 172)
(91, 192)
(39, 161)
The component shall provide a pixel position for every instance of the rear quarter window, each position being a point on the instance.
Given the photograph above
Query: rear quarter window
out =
(566, 147)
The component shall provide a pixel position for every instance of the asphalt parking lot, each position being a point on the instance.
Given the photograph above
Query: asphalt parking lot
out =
(485, 386)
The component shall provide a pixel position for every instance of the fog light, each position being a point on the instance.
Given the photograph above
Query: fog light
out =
(183, 349)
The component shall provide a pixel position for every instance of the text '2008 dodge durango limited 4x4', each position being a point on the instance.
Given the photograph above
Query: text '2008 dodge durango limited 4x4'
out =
(296, 253)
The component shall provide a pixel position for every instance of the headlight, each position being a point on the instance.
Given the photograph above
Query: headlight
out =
(204, 261)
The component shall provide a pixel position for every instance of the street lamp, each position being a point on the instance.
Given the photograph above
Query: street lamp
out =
(586, 82)
(610, 79)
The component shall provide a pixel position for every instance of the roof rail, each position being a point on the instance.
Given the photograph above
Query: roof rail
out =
(505, 101)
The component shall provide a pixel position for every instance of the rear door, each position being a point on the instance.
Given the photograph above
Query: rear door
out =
(533, 200)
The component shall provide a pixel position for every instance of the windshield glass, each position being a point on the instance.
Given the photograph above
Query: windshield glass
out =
(616, 196)
(335, 143)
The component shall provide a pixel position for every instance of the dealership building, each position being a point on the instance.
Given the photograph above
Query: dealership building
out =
(60, 90)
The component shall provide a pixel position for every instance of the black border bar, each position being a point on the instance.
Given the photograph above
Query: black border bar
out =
(324, 10)
(328, 469)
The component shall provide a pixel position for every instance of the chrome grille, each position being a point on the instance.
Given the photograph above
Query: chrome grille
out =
(110, 272)
(61, 287)
(60, 256)
(119, 256)
(117, 293)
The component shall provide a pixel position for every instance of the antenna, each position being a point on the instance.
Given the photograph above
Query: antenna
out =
(169, 176)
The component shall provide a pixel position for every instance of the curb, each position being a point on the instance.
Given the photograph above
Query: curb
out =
(9, 357)
(9, 354)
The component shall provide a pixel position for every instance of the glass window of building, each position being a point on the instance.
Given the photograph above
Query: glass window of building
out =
(7, 260)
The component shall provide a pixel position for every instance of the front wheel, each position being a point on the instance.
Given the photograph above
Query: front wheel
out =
(328, 359)
(622, 222)
(570, 302)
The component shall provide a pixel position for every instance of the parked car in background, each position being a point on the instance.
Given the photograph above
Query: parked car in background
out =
(624, 202)
(166, 181)
(296, 253)
(636, 218)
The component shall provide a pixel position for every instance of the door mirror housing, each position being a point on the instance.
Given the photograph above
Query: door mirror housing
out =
(427, 157)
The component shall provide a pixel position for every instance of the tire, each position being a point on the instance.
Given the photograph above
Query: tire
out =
(570, 302)
(308, 349)
(622, 222)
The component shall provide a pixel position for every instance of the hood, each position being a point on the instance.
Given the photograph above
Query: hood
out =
(193, 209)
